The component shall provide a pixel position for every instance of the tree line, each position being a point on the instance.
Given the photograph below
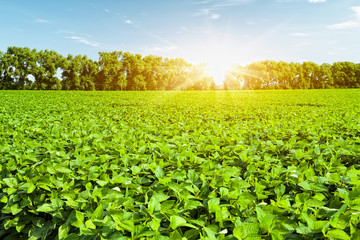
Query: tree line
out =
(283, 75)
(24, 68)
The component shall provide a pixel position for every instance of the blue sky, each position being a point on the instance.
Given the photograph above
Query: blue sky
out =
(220, 32)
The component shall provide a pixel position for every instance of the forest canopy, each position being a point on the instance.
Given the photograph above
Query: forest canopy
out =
(283, 75)
(24, 68)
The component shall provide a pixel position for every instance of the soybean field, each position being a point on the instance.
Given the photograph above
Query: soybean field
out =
(267, 164)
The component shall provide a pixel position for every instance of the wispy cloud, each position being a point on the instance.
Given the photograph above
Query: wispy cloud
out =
(84, 41)
(215, 16)
(66, 32)
(207, 12)
(41, 20)
(163, 49)
(107, 10)
(317, 1)
(229, 3)
(300, 34)
(348, 24)
(129, 21)
(345, 25)
(356, 9)
(211, 7)
(310, 1)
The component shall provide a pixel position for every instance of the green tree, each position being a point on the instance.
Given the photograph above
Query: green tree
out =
(134, 67)
(234, 78)
(324, 77)
(79, 73)
(47, 70)
(338, 75)
(6, 72)
(256, 76)
(111, 71)
(200, 79)
(153, 72)
(17, 66)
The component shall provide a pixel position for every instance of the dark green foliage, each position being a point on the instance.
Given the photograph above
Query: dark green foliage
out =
(282, 75)
(22, 68)
(180, 165)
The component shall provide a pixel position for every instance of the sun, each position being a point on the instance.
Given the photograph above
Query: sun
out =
(219, 60)
(216, 53)
(217, 69)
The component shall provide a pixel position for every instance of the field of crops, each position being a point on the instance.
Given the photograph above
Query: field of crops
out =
(180, 165)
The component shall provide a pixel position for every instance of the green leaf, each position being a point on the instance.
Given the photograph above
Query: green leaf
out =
(246, 230)
(46, 207)
(89, 224)
(57, 203)
(10, 182)
(63, 231)
(31, 188)
(154, 205)
(98, 213)
(62, 169)
(211, 232)
(213, 204)
(192, 234)
(305, 185)
(159, 172)
(191, 204)
(160, 197)
(176, 221)
(338, 234)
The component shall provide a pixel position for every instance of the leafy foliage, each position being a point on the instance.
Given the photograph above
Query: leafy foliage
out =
(22, 68)
(281, 75)
(180, 165)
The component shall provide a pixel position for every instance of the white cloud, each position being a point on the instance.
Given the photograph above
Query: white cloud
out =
(202, 12)
(207, 12)
(300, 34)
(163, 48)
(66, 32)
(213, 6)
(345, 25)
(229, 3)
(128, 21)
(317, 1)
(356, 9)
(215, 16)
(84, 41)
(40, 20)
(348, 24)
(107, 10)
(203, 2)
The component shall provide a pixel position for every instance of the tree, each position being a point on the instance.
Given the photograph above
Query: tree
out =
(111, 71)
(234, 78)
(79, 73)
(256, 76)
(153, 72)
(134, 67)
(88, 73)
(200, 78)
(46, 72)
(323, 77)
(6, 71)
(338, 74)
(16, 67)
(177, 74)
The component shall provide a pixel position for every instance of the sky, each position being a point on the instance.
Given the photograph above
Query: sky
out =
(217, 32)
